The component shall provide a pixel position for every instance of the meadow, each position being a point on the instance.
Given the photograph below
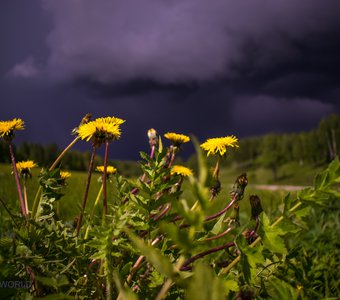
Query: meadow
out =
(202, 231)
(289, 174)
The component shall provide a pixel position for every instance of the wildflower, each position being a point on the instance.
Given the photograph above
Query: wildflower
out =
(109, 169)
(181, 170)
(152, 135)
(177, 138)
(7, 128)
(101, 130)
(65, 175)
(220, 145)
(24, 167)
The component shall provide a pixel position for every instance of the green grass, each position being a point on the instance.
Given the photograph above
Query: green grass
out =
(69, 203)
(288, 174)
(291, 174)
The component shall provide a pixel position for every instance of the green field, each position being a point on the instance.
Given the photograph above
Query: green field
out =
(288, 174)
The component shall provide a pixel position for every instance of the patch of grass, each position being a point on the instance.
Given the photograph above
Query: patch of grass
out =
(69, 203)
(291, 173)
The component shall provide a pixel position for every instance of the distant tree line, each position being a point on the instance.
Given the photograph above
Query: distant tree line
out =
(317, 147)
(74, 160)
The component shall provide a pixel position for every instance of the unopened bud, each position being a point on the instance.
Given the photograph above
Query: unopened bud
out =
(239, 186)
(256, 207)
(152, 135)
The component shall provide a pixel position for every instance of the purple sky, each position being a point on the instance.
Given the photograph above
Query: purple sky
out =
(210, 68)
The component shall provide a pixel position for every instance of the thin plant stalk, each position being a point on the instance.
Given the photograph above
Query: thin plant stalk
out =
(169, 282)
(207, 252)
(93, 209)
(37, 197)
(25, 195)
(172, 159)
(88, 181)
(140, 260)
(217, 168)
(61, 155)
(211, 217)
(105, 177)
(17, 181)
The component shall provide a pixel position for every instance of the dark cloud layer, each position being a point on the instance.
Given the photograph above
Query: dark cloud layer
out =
(204, 67)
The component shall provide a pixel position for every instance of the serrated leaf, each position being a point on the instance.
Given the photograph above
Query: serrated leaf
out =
(271, 235)
(250, 257)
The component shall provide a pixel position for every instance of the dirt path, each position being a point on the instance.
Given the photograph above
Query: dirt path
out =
(276, 187)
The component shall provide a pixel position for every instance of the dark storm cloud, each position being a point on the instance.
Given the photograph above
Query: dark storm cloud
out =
(205, 67)
(176, 41)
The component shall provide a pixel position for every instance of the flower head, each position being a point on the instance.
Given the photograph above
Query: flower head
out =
(65, 174)
(181, 170)
(101, 130)
(109, 169)
(152, 135)
(24, 167)
(177, 138)
(7, 128)
(219, 145)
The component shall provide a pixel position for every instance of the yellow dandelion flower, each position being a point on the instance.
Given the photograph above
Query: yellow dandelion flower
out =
(65, 174)
(299, 287)
(101, 130)
(220, 145)
(7, 128)
(24, 167)
(177, 138)
(181, 170)
(109, 169)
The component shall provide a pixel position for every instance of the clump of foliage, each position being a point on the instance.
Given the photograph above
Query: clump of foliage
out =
(153, 242)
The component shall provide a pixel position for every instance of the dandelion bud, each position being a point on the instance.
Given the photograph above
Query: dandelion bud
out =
(239, 186)
(256, 207)
(152, 135)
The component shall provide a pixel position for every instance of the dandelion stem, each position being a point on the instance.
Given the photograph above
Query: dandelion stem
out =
(152, 154)
(88, 181)
(165, 288)
(25, 195)
(140, 260)
(214, 216)
(61, 155)
(163, 212)
(202, 254)
(215, 237)
(172, 159)
(16, 176)
(217, 168)
(104, 177)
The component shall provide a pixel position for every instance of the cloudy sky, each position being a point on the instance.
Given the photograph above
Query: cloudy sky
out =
(210, 68)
